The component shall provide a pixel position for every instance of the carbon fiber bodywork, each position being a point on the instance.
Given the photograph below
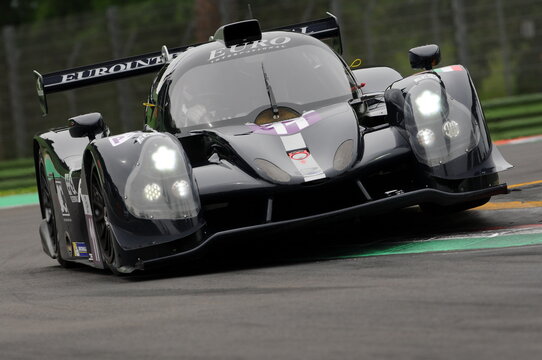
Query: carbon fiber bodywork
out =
(339, 158)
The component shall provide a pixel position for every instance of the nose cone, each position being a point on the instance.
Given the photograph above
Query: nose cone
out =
(320, 144)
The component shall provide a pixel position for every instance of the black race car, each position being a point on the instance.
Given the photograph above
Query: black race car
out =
(252, 132)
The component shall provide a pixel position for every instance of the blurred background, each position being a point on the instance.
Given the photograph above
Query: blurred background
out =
(499, 41)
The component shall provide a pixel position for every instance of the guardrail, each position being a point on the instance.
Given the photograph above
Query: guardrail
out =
(507, 118)
(514, 116)
(17, 176)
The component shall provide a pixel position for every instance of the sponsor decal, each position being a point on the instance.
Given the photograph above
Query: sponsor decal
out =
(248, 48)
(120, 139)
(72, 192)
(113, 68)
(301, 157)
(61, 199)
(139, 138)
(79, 191)
(87, 209)
(287, 127)
(80, 249)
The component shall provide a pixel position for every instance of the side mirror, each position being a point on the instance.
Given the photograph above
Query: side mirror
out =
(88, 125)
(424, 57)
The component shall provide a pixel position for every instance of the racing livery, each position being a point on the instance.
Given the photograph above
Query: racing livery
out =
(256, 131)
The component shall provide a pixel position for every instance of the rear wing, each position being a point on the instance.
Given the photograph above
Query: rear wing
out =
(326, 28)
(322, 29)
(102, 72)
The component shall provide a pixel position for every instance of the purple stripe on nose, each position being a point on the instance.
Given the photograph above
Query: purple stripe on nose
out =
(286, 127)
(312, 117)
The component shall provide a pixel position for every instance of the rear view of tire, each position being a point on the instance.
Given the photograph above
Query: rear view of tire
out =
(104, 233)
(49, 213)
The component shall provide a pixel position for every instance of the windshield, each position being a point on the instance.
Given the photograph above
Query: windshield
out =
(300, 77)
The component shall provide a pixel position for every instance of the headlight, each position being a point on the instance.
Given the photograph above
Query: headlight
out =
(181, 188)
(428, 103)
(164, 158)
(161, 185)
(272, 171)
(450, 129)
(343, 155)
(425, 137)
(152, 192)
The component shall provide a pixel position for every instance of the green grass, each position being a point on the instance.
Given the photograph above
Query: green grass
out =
(16, 173)
(512, 112)
(514, 116)
(16, 164)
(515, 133)
(11, 184)
(22, 190)
(512, 101)
(526, 123)
(17, 177)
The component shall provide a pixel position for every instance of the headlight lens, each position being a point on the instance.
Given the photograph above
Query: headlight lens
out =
(343, 155)
(428, 103)
(440, 127)
(425, 137)
(272, 171)
(451, 129)
(161, 185)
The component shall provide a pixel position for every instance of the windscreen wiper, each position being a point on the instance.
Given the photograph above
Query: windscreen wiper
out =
(270, 94)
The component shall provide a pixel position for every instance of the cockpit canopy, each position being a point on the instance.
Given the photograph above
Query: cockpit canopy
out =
(214, 85)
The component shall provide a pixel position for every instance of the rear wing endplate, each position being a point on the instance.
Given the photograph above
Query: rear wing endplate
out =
(326, 28)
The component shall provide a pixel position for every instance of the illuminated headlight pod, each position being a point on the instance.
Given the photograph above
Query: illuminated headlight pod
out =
(161, 185)
(440, 127)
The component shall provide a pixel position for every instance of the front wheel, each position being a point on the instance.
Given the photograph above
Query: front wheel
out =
(104, 233)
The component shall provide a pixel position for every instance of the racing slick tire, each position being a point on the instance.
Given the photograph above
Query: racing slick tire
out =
(104, 233)
(49, 213)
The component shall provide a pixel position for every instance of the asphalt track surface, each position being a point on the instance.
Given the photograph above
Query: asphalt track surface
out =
(312, 294)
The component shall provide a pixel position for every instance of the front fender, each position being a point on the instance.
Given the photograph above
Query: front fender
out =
(440, 114)
(119, 160)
